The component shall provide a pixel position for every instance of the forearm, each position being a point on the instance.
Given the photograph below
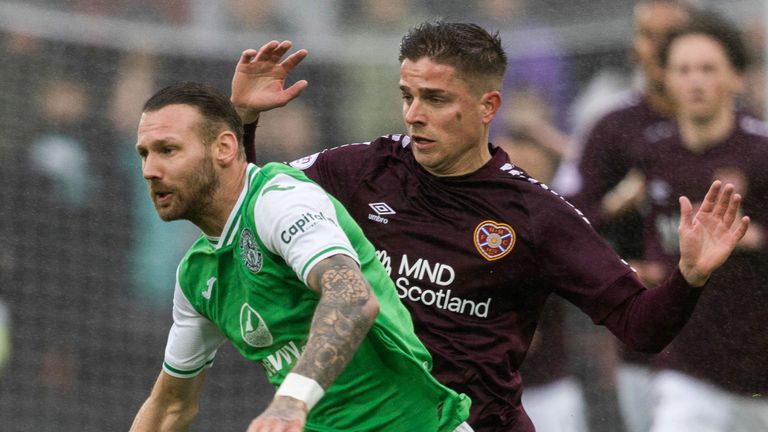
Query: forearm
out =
(171, 406)
(650, 319)
(344, 314)
(157, 415)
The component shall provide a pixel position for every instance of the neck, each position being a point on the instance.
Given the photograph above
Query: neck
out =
(216, 212)
(700, 134)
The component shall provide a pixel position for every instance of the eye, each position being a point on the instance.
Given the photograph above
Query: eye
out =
(167, 150)
(407, 98)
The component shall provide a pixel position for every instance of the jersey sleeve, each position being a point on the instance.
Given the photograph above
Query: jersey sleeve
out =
(585, 270)
(192, 341)
(297, 221)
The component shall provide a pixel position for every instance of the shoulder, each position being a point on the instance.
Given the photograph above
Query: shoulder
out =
(282, 184)
(190, 265)
(753, 128)
(531, 192)
(348, 153)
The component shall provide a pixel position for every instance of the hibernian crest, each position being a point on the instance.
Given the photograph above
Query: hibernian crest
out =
(250, 251)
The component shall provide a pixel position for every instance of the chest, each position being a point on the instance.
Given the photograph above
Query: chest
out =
(459, 250)
(253, 298)
(676, 171)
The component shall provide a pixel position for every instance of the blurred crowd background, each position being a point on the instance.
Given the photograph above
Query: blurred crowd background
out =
(87, 267)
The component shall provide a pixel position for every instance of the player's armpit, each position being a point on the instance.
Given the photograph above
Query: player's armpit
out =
(344, 314)
(171, 406)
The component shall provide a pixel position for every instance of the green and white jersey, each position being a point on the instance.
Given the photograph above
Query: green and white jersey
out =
(248, 286)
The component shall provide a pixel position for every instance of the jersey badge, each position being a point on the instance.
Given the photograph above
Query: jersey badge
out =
(494, 240)
(250, 251)
(209, 289)
(382, 209)
(253, 329)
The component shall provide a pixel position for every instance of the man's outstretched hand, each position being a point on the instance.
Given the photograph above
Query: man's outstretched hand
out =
(708, 238)
(259, 81)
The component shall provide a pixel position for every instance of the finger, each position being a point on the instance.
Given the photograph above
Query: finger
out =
(733, 209)
(724, 201)
(294, 59)
(294, 91)
(282, 48)
(711, 198)
(742, 228)
(278, 52)
(247, 56)
(265, 52)
(686, 212)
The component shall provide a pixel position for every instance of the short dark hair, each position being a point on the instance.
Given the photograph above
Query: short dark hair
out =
(467, 47)
(718, 28)
(216, 109)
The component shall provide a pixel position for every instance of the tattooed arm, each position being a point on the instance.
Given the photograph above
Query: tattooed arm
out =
(344, 314)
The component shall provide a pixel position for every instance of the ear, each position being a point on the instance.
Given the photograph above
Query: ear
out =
(226, 148)
(739, 84)
(491, 102)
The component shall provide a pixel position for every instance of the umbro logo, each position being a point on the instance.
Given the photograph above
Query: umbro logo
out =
(381, 208)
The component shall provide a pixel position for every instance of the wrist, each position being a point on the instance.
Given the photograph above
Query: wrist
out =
(301, 388)
(693, 278)
(247, 115)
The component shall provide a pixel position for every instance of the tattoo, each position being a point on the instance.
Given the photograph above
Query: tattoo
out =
(341, 320)
(285, 408)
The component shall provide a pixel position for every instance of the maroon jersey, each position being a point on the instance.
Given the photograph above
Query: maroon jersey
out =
(725, 341)
(474, 258)
(614, 145)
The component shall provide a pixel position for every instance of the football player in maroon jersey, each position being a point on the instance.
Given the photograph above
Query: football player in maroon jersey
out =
(612, 192)
(713, 374)
(474, 244)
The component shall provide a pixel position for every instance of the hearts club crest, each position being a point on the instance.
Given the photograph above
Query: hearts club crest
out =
(494, 239)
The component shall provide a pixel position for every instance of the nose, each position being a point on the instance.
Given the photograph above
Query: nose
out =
(150, 168)
(413, 113)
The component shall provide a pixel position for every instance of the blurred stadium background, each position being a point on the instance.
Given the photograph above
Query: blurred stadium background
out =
(87, 268)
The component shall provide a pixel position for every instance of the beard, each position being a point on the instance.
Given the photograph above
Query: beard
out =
(192, 199)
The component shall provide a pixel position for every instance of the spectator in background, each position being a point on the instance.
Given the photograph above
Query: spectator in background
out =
(612, 192)
(713, 375)
(255, 15)
(156, 247)
(370, 83)
(5, 335)
(756, 77)
(294, 127)
(536, 61)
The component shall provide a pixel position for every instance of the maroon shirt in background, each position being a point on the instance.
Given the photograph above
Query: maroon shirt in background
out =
(614, 145)
(474, 258)
(725, 341)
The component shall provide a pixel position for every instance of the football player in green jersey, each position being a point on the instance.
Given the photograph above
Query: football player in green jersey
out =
(284, 273)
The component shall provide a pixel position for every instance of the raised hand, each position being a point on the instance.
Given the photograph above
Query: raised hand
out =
(708, 238)
(259, 79)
